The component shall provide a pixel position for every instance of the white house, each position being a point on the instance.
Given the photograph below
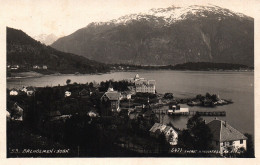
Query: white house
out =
(67, 94)
(8, 116)
(44, 67)
(92, 114)
(126, 95)
(36, 67)
(225, 137)
(15, 67)
(170, 134)
(176, 109)
(13, 92)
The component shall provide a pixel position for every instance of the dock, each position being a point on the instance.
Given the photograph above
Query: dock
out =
(191, 113)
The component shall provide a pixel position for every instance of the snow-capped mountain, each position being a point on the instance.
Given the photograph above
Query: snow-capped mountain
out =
(46, 39)
(165, 36)
(173, 14)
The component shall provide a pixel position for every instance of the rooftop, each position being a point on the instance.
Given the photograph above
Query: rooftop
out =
(223, 132)
(112, 95)
(160, 127)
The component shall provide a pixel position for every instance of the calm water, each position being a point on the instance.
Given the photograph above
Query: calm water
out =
(238, 86)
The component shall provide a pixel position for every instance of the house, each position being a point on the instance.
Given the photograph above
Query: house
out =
(177, 110)
(92, 114)
(126, 95)
(225, 137)
(24, 89)
(30, 91)
(113, 98)
(170, 134)
(67, 93)
(36, 67)
(84, 93)
(15, 67)
(13, 92)
(8, 116)
(142, 85)
(44, 67)
(16, 112)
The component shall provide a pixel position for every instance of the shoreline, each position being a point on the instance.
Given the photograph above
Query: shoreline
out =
(32, 74)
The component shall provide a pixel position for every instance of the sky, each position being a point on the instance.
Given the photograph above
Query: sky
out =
(63, 17)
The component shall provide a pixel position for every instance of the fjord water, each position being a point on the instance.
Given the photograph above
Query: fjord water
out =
(238, 86)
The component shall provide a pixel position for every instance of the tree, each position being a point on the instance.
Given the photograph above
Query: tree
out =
(168, 96)
(208, 96)
(164, 145)
(68, 81)
(250, 152)
(214, 97)
(199, 133)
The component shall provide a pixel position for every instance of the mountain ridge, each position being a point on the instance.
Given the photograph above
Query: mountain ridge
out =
(197, 34)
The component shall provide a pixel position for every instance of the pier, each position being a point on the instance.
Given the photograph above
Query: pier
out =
(191, 113)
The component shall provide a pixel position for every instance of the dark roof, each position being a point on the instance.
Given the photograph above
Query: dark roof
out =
(112, 95)
(148, 113)
(84, 92)
(30, 88)
(223, 132)
(13, 89)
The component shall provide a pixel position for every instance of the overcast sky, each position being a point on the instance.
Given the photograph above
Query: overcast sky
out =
(63, 17)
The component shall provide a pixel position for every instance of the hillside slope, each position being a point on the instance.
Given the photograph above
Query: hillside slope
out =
(24, 51)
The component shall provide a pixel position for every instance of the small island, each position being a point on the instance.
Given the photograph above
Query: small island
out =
(208, 101)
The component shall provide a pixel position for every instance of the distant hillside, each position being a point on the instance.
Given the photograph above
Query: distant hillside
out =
(167, 36)
(210, 66)
(24, 51)
(196, 66)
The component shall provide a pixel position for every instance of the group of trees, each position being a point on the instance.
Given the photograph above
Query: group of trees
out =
(117, 85)
(208, 96)
(197, 135)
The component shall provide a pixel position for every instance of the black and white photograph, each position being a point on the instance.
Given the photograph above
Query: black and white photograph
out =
(130, 79)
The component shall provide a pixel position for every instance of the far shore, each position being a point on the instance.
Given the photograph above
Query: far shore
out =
(33, 74)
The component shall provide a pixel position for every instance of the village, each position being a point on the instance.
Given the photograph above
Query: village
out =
(97, 119)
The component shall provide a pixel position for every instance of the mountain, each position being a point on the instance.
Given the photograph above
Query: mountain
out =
(46, 39)
(24, 51)
(167, 36)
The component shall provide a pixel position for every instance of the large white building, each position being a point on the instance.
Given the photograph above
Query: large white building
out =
(143, 86)
(225, 137)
